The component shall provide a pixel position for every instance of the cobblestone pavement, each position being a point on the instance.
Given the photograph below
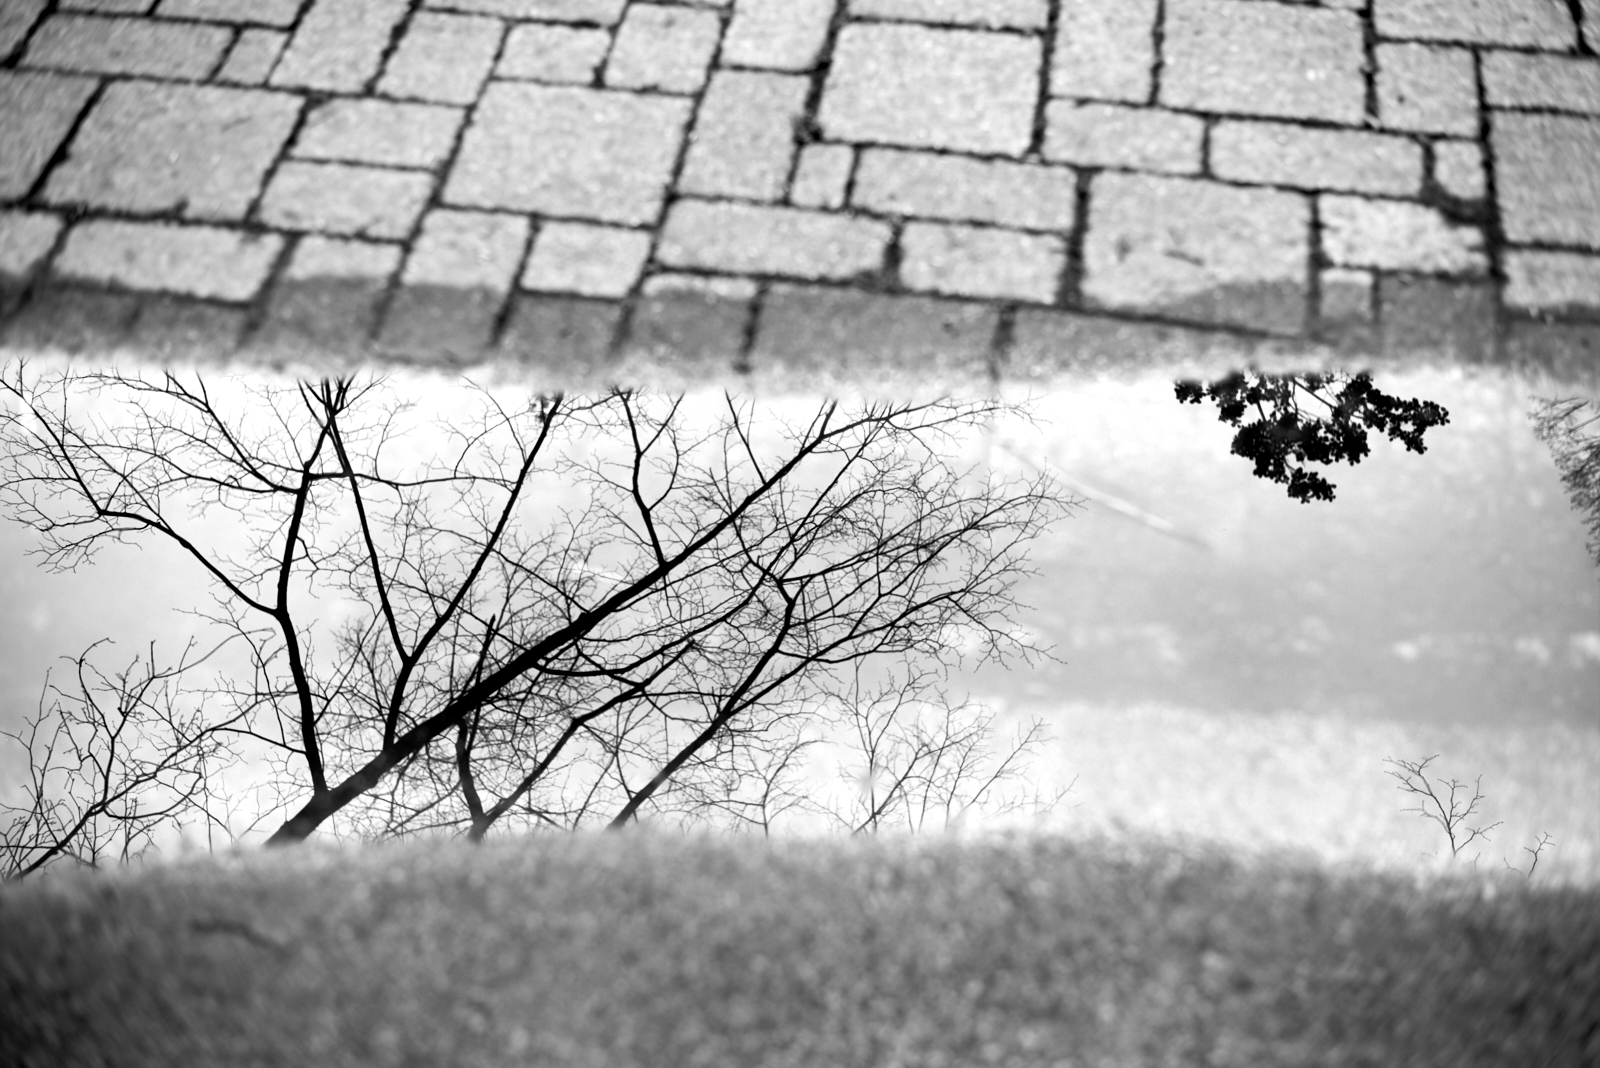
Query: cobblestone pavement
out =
(802, 191)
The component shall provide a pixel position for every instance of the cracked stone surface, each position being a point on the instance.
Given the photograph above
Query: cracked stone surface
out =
(959, 191)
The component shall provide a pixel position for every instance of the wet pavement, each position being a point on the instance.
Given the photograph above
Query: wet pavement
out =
(802, 192)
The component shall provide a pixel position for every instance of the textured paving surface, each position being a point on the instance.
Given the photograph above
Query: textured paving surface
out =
(802, 191)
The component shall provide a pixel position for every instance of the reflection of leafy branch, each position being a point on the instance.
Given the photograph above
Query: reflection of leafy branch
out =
(1563, 425)
(1283, 436)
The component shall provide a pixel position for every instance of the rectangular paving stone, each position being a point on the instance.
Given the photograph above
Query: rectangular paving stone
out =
(1252, 58)
(253, 56)
(1562, 83)
(172, 328)
(1426, 319)
(1048, 344)
(590, 261)
(1277, 153)
(1346, 295)
(812, 337)
(328, 295)
(155, 147)
(1198, 250)
(26, 238)
(686, 331)
(990, 14)
(777, 34)
(201, 261)
(904, 84)
(743, 139)
(256, 12)
(1539, 281)
(336, 198)
(380, 132)
(566, 340)
(1547, 184)
(1105, 50)
(1531, 23)
(822, 176)
(754, 239)
(339, 44)
(442, 58)
(1394, 235)
(37, 111)
(927, 185)
(973, 261)
(1110, 135)
(667, 49)
(1458, 169)
(1427, 88)
(599, 12)
(88, 45)
(16, 19)
(544, 53)
(455, 282)
(555, 150)
(72, 320)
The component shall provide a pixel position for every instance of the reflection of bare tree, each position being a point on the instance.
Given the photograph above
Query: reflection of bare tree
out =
(568, 610)
(1570, 428)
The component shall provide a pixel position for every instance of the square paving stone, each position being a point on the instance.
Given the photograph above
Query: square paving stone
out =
(1533, 23)
(544, 53)
(443, 58)
(1252, 58)
(1548, 177)
(329, 293)
(1427, 88)
(591, 261)
(1198, 250)
(36, 113)
(150, 147)
(556, 150)
(664, 48)
(686, 331)
(963, 90)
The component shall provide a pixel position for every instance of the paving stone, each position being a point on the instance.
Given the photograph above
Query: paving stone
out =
(1395, 235)
(154, 147)
(989, 14)
(599, 12)
(903, 84)
(37, 111)
(1563, 83)
(26, 238)
(568, 339)
(1591, 25)
(329, 293)
(1198, 250)
(1277, 153)
(811, 338)
(590, 261)
(1110, 135)
(554, 150)
(743, 139)
(456, 281)
(443, 58)
(1427, 88)
(1425, 319)
(256, 12)
(1346, 295)
(201, 261)
(127, 46)
(822, 176)
(171, 329)
(1551, 281)
(1533, 23)
(16, 19)
(1569, 352)
(379, 131)
(686, 331)
(663, 48)
(972, 261)
(1026, 195)
(114, 7)
(71, 320)
(1252, 58)
(1458, 168)
(1105, 50)
(335, 198)
(1049, 344)
(553, 53)
(254, 55)
(339, 44)
(1548, 177)
(777, 34)
(754, 239)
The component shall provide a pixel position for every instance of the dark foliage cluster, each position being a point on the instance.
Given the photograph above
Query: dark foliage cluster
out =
(1283, 435)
